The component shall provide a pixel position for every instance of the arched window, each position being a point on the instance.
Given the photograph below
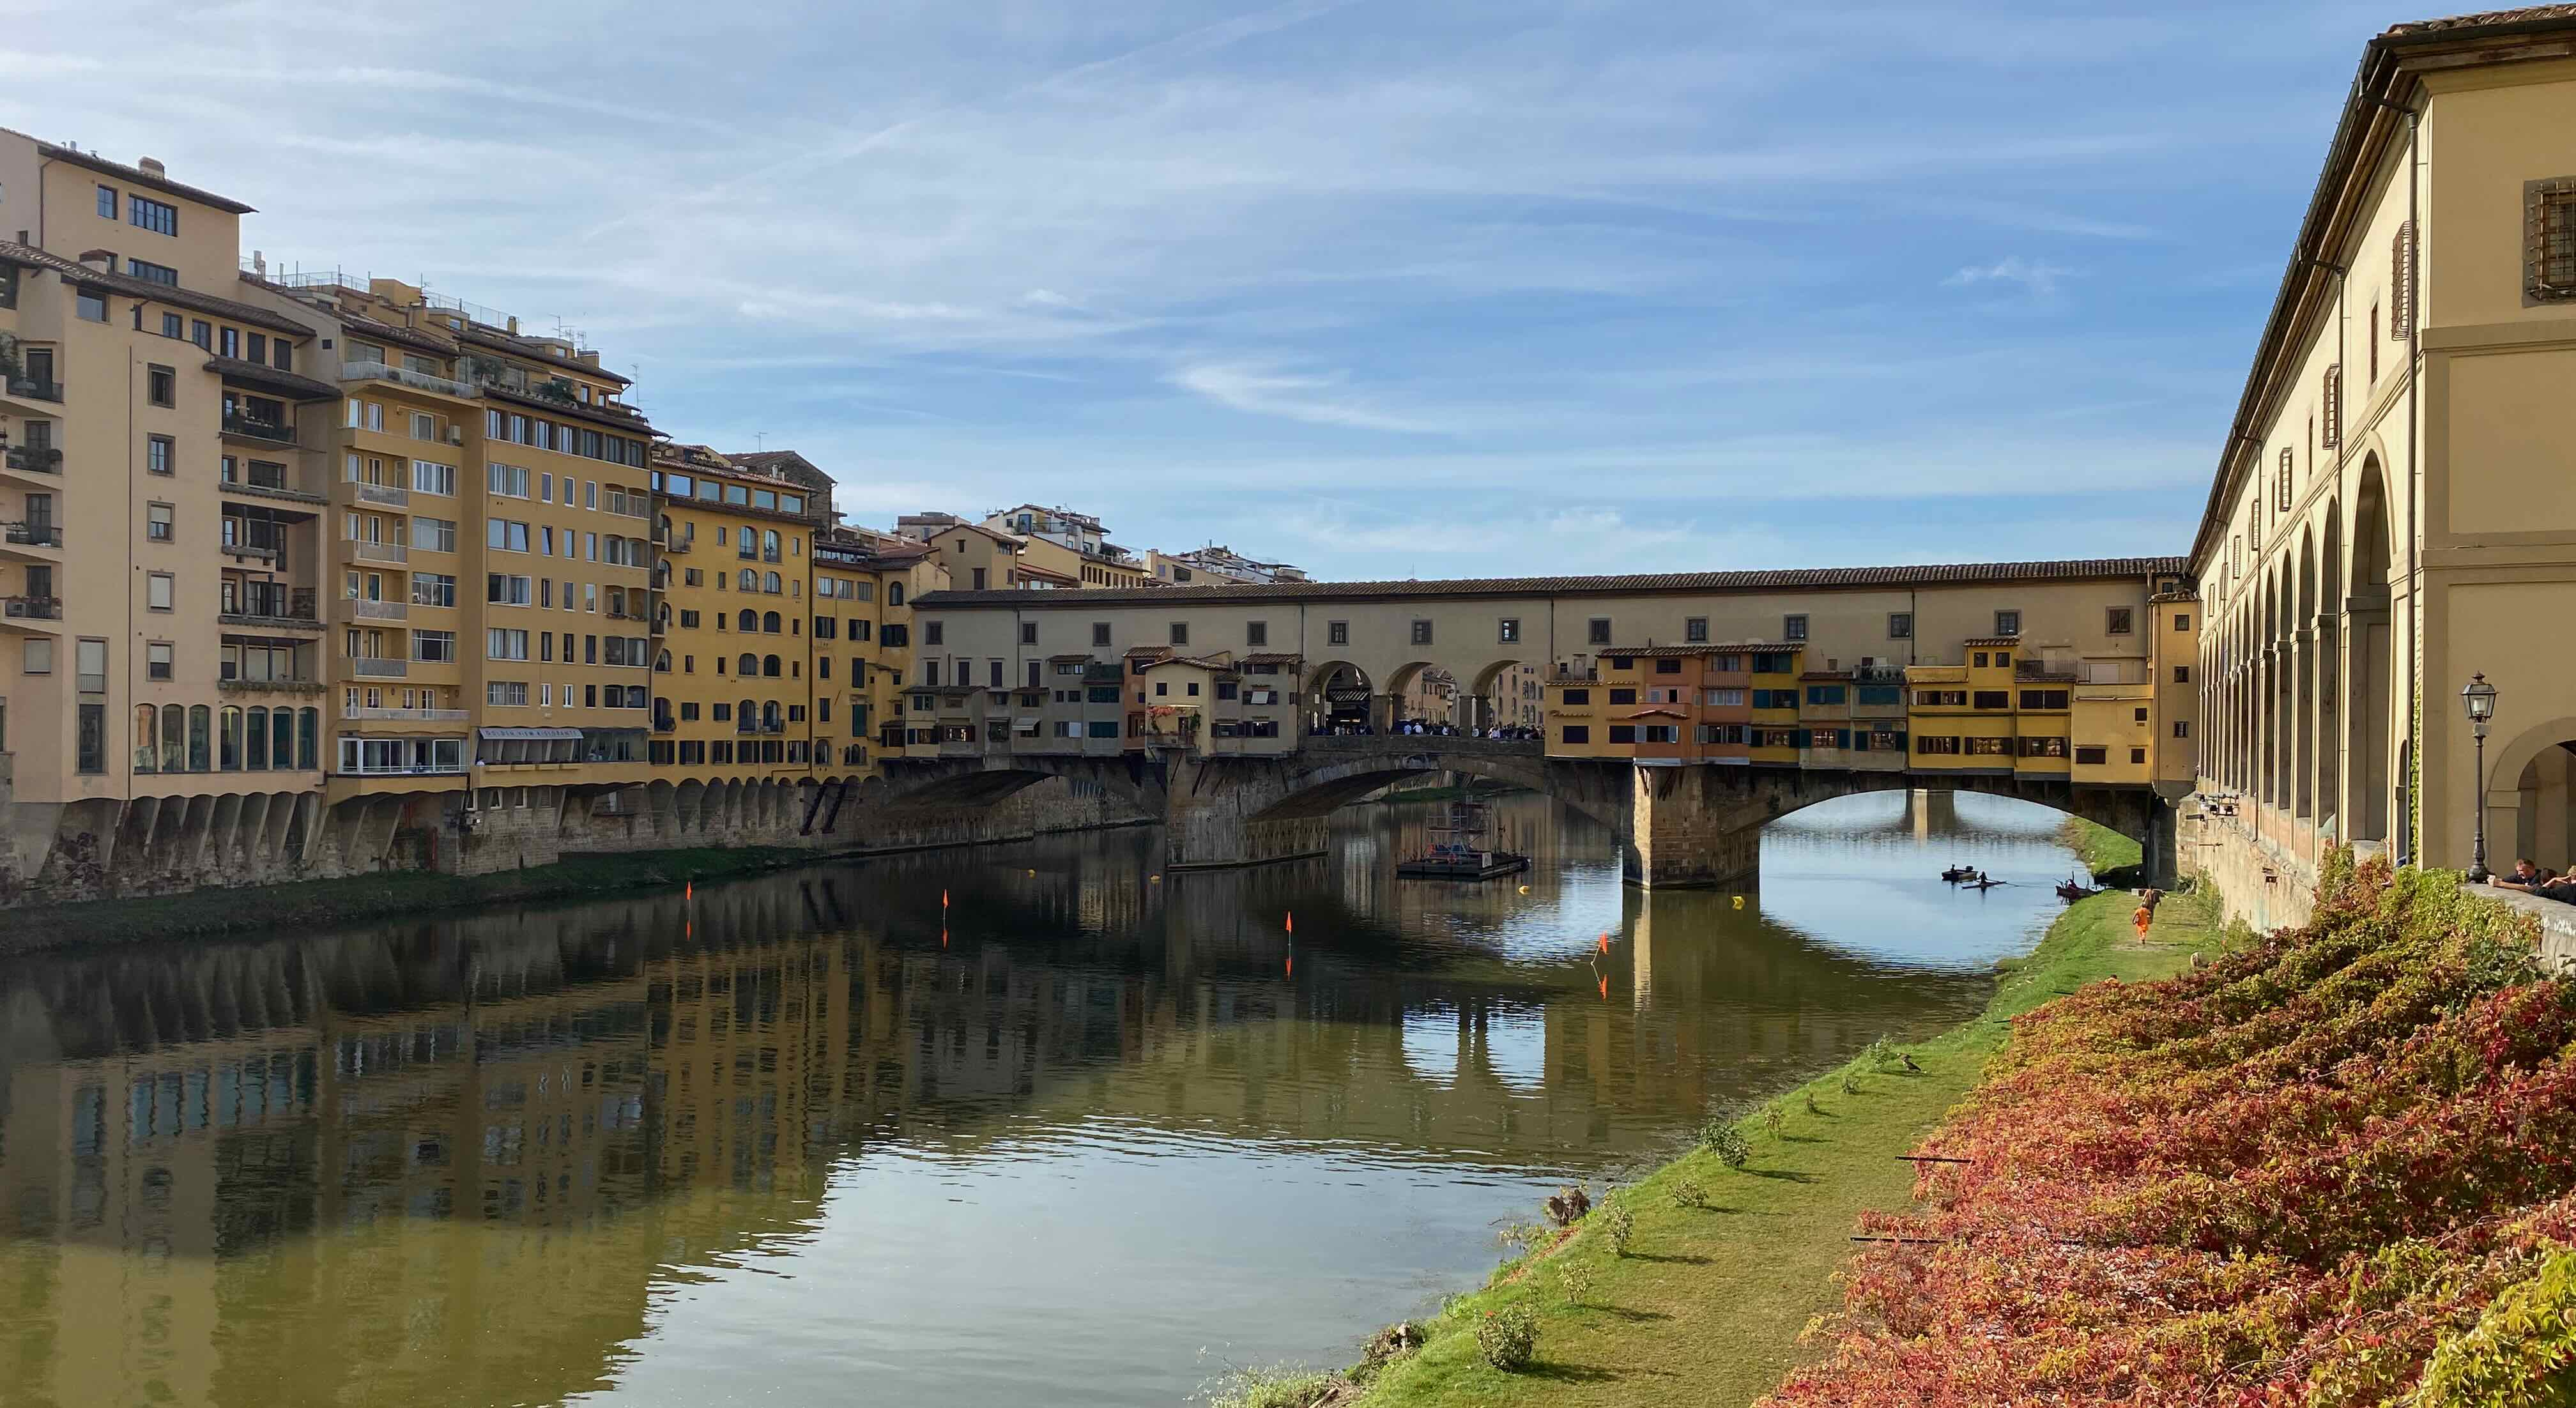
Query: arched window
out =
(746, 716)
(228, 740)
(750, 580)
(255, 736)
(769, 622)
(769, 666)
(308, 738)
(749, 620)
(662, 663)
(147, 739)
(747, 665)
(281, 739)
(769, 545)
(769, 715)
(894, 593)
(769, 583)
(174, 738)
(201, 738)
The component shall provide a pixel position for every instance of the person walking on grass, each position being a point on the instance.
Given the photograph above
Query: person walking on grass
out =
(2142, 917)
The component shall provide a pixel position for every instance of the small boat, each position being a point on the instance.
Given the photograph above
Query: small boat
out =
(1981, 884)
(1955, 874)
(1469, 855)
(2070, 892)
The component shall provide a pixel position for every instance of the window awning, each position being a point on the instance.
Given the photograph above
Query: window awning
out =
(529, 733)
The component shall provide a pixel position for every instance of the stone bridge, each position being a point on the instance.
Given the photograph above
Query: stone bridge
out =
(1696, 825)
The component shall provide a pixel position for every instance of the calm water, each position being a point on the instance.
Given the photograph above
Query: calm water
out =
(1076, 1135)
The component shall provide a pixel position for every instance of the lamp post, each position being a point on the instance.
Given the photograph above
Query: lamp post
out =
(2479, 697)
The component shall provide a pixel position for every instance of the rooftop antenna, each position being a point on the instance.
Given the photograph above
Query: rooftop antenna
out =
(762, 437)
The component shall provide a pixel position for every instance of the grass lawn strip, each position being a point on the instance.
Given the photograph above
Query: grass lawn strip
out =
(1708, 1305)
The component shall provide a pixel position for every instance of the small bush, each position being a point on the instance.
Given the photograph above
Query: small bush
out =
(1280, 1386)
(1772, 1120)
(1508, 1338)
(1575, 1279)
(1812, 1107)
(1617, 1225)
(1689, 1194)
(1568, 1205)
(1523, 1236)
(1720, 1137)
(1396, 1341)
(1851, 1082)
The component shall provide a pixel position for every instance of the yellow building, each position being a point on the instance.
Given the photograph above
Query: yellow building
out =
(1775, 694)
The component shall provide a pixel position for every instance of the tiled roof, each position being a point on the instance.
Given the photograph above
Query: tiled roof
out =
(2528, 14)
(90, 276)
(389, 332)
(612, 420)
(137, 176)
(1991, 641)
(262, 374)
(1066, 659)
(1270, 657)
(1723, 648)
(1676, 583)
(534, 350)
(1132, 651)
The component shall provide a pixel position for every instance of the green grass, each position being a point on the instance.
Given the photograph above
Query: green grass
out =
(2099, 847)
(357, 899)
(1707, 1307)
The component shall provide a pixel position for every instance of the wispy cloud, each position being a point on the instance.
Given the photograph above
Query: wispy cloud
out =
(2037, 277)
(1317, 400)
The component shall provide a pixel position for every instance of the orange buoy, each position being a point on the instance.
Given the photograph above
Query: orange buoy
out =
(1292, 921)
(1605, 943)
(943, 899)
(1605, 987)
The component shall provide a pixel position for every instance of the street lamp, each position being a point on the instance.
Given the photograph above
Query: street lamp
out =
(2479, 698)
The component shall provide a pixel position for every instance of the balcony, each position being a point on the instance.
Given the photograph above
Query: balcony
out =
(405, 376)
(361, 609)
(31, 608)
(370, 668)
(676, 546)
(363, 551)
(267, 432)
(274, 611)
(40, 533)
(35, 459)
(27, 388)
(254, 489)
(359, 713)
(383, 495)
(230, 686)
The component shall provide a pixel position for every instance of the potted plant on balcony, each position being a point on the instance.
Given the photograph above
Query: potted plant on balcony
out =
(557, 390)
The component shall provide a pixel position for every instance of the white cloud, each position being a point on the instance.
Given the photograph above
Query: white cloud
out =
(2036, 276)
(1317, 400)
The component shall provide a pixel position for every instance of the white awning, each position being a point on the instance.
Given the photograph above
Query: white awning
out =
(530, 733)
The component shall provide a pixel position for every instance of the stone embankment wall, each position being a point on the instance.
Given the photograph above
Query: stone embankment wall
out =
(109, 848)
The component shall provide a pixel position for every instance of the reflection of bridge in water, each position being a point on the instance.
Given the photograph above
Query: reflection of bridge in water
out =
(370, 1145)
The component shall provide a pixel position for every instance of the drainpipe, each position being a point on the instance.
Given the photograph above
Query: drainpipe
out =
(2414, 502)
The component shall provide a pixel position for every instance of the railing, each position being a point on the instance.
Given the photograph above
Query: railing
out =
(676, 546)
(365, 551)
(405, 376)
(272, 552)
(389, 495)
(33, 535)
(33, 608)
(252, 488)
(378, 668)
(362, 713)
(424, 770)
(303, 620)
(269, 686)
(2043, 670)
(27, 388)
(36, 459)
(365, 610)
(238, 424)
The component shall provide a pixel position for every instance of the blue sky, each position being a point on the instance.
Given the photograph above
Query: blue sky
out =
(1387, 288)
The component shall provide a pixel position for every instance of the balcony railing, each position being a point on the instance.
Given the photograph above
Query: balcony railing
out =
(36, 459)
(272, 686)
(27, 388)
(676, 546)
(33, 535)
(405, 376)
(269, 430)
(362, 714)
(365, 551)
(422, 770)
(389, 495)
(298, 617)
(379, 668)
(361, 609)
(33, 608)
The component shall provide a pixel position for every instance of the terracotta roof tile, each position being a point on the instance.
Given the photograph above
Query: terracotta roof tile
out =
(172, 294)
(303, 388)
(1676, 583)
(137, 176)
(1271, 658)
(2528, 14)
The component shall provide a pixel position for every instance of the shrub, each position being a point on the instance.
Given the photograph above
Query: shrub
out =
(2520, 1354)
(1395, 1342)
(1568, 1205)
(1772, 1120)
(1616, 1225)
(1508, 1338)
(1280, 1386)
(1851, 1082)
(1720, 1137)
(1812, 1107)
(1575, 1279)
(1687, 1193)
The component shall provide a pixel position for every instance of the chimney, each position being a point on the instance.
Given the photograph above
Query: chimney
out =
(103, 260)
(152, 166)
(514, 325)
(259, 263)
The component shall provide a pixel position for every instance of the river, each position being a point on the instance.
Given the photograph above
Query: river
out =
(1016, 1125)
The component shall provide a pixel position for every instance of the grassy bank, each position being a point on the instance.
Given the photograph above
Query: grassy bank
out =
(2099, 847)
(1707, 1305)
(358, 899)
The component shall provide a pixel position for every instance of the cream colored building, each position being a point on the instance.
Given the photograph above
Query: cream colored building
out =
(2391, 514)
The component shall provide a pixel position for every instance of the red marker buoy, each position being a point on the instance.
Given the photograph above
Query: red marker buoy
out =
(1605, 943)
(1605, 988)
(1292, 921)
(943, 899)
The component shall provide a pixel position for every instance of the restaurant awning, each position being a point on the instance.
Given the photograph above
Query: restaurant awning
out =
(529, 733)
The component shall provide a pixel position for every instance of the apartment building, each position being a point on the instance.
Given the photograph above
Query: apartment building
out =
(1216, 563)
(159, 563)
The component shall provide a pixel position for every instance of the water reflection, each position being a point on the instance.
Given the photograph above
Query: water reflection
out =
(1001, 1127)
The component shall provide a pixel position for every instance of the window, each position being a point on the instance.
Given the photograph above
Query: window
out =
(506, 693)
(931, 632)
(2182, 620)
(2138, 715)
(1993, 699)
(228, 342)
(1337, 632)
(2118, 622)
(160, 591)
(161, 384)
(1695, 630)
(1578, 696)
(156, 660)
(2043, 699)
(1421, 633)
(1623, 733)
(505, 535)
(1900, 625)
(2330, 396)
(503, 589)
(428, 478)
(2091, 756)
(2007, 623)
(107, 202)
(150, 272)
(1180, 633)
(2281, 482)
(1793, 627)
(36, 658)
(157, 524)
(202, 333)
(1256, 634)
(160, 455)
(506, 644)
(1623, 696)
(1578, 733)
(435, 646)
(173, 326)
(2182, 674)
(145, 213)
(2549, 232)
(1597, 630)
(1099, 633)
(508, 480)
(90, 307)
(433, 534)
(90, 664)
(2182, 728)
